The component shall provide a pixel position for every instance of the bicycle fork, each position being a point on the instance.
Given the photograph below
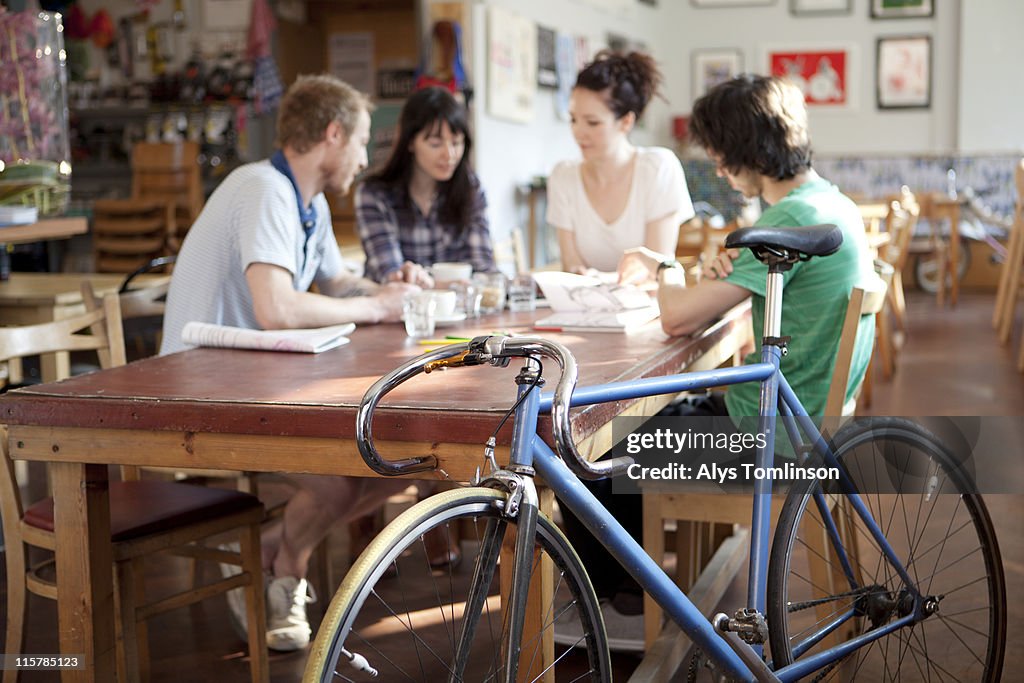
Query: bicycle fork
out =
(521, 505)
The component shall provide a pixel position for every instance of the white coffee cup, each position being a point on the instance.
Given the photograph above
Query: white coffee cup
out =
(444, 300)
(450, 271)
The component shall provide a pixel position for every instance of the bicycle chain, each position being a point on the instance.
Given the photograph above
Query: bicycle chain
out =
(797, 606)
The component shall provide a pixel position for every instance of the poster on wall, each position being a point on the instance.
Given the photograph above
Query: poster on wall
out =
(904, 78)
(827, 75)
(547, 70)
(350, 58)
(901, 9)
(711, 67)
(511, 65)
(565, 66)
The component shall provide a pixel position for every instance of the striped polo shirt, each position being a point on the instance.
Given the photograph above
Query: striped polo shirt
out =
(252, 217)
(815, 295)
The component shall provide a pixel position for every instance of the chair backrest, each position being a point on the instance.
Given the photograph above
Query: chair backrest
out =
(170, 172)
(105, 337)
(901, 221)
(128, 233)
(512, 250)
(866, 300)
(103, 325)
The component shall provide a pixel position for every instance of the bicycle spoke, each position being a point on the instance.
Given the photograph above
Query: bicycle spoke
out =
(946, 548)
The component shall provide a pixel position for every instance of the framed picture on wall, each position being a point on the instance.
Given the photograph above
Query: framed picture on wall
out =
(826, 74)
(730, 3)
(810, 8)
(901, 9)
(904, 78)
(711, 67)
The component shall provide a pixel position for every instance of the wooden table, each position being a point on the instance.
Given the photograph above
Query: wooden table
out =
(43, 229)
(942, 206)
(31, 298)
(262, 411)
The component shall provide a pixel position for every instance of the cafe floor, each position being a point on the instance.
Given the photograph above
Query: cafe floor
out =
(951, 365)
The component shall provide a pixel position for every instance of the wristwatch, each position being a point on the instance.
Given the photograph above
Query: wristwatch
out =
(672, 263)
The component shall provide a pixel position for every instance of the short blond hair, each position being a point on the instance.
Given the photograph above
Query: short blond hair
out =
(311, 104)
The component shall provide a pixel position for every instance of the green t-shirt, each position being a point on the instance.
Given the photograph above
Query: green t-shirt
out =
(815, 296)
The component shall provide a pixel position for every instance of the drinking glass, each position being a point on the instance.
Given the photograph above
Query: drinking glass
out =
(522, 293)
(492, 291)
(420, 313)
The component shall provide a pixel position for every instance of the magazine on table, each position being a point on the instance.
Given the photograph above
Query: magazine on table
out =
(586, 303)
(302, 341)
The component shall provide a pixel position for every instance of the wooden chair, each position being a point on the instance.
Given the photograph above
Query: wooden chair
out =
(901, 221)
(147, 517)
(1010, 280)
(884, 334)
(128, 233)
(709, 551)
(170, 172)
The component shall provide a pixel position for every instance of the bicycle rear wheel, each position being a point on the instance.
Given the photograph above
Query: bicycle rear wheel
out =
(922, 501)
(408, 619)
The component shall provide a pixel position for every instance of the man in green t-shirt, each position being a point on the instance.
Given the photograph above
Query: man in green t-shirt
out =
(755, 130)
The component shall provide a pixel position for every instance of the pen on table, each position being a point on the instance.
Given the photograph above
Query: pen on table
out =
(442, 342)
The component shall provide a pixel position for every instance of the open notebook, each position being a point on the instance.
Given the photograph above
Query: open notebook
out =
(587, 304)
(303, 341)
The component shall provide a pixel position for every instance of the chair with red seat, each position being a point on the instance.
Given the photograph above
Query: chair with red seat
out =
(147, 517)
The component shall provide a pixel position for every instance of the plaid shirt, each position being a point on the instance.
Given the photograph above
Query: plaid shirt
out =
(393, 230)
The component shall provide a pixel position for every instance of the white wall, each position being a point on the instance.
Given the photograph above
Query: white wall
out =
(510, 154)
(991, 76)
(863, 129)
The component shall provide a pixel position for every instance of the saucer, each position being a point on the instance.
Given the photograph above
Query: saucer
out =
(452, 319)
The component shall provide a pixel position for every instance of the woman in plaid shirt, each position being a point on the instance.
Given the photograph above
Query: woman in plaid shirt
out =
(426, 205)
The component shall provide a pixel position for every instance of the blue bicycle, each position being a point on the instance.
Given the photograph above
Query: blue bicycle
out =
(861, 582)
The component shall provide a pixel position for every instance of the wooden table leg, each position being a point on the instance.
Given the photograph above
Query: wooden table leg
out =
(85, 587)
(954, 253)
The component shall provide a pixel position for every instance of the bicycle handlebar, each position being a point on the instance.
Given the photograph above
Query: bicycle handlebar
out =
(496, 351)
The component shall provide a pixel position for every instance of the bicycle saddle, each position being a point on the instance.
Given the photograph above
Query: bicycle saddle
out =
(803, 242)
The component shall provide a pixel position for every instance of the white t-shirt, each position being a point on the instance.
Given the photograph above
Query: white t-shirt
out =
(658, 190)
(252, 217)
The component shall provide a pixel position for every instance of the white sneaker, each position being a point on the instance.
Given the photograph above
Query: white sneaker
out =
(236, 598)
(287, 625)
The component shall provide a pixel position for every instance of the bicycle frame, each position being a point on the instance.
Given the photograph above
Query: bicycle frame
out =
(529, 453)
(529, 450)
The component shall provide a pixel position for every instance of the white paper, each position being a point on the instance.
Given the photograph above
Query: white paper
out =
(18, 215)
(580, 301)
(302, 341)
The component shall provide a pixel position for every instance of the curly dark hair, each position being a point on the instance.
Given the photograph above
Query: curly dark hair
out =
(756, 123)
(630, 80)
(427, 109)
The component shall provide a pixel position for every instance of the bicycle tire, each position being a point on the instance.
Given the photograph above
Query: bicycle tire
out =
(926, 267)
(358, 619)
(928, 482)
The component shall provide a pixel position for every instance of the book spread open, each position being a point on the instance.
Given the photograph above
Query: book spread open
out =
(584, 303)
(302, 341)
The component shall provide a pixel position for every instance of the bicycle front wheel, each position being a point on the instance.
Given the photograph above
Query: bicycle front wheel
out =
(412, 620)
(923, 502)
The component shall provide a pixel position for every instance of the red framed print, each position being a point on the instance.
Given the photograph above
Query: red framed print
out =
(827, 75)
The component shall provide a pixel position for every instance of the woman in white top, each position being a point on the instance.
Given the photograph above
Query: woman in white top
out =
(618, 196)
